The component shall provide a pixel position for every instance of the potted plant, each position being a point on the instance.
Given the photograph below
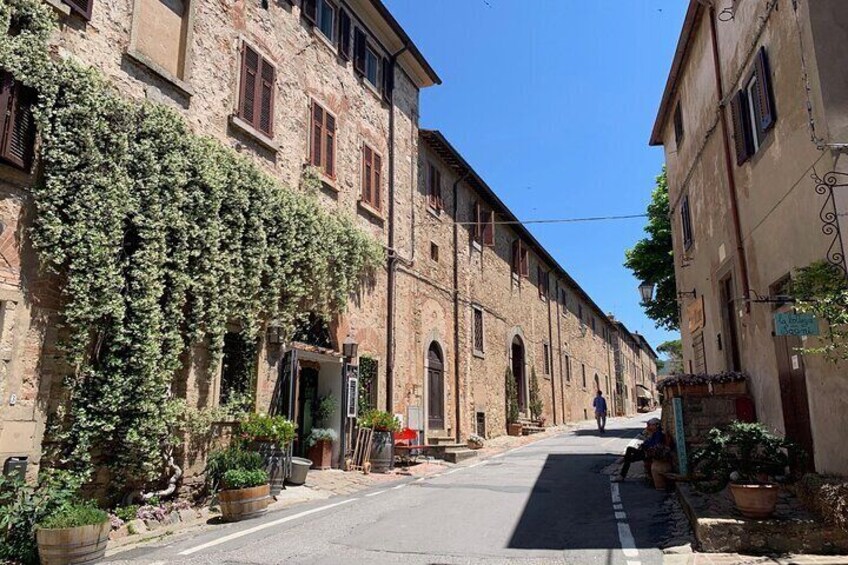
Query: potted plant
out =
(75, 533)
(269, 436)
(536, 405)
(382, 443)
(513, 427)
(320, 444)
(246, 494)
(749, 458)
(475, 442)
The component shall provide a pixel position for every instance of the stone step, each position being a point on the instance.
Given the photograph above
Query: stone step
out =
(530, 430)
(440, 440)
(455, 456)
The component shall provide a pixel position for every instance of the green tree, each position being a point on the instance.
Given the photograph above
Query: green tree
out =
(673, 351)
(652, 259)
(535, 395)
(511, 398)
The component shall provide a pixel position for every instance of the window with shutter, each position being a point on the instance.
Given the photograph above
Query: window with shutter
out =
(359, 50)
(686, 223)
(764, 93)
(344, 35)
(81, 7)
(326, 19)
(17, 144)
(741, 130)
(678, 125)
(371, 175)
(256, 95)
(546, 350)
(752, 110)
(477, 328)
(388, 79)
(520, 260)
(543, 282)
(322, 140)
(488, 227)
(310, 10)
(434, 187)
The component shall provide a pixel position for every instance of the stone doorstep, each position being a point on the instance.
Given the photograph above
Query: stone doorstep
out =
(782, 535)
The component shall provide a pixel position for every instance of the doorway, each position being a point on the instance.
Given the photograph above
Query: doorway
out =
(793, 395)
(518, 372)
(728, 315)
(307, 402)
(435, 388)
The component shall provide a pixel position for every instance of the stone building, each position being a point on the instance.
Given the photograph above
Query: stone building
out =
(754, 111)
(466, 292)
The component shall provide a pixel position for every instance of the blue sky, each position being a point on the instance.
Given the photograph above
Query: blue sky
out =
(552, 102)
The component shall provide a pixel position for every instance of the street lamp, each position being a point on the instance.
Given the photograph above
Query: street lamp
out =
(350, 347)
(646, 289)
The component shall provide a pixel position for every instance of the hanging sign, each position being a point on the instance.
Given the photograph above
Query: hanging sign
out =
(352, 390)
(680, 436)
(695, 314)
(791, 323)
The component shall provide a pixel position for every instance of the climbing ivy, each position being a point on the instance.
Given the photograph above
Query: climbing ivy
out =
(821, 289)
(158, 239)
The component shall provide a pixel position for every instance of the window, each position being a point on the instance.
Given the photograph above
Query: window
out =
(568, 368)
(372, 166)
(686, 222)
(753, 110)
(372, 66)
(81, 7)
(434, 252)
(366, 60)
(326, 19)
(520, 260)
(256, 95)
(483, 230)
(592, 321)
(17, 126)
(323, 140)
(542, 274)
(434, 187)
(546, 349)
(344, 35)
(160, 33)
(678, 125)
(479, 343)
(580, 312)
(583, 371)
(563, 298)
(368, 368)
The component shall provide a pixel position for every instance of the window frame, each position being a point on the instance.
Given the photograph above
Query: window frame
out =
(320, 13)
(370, 49)
(686, 223)
(435, 189)
(371, 191)
(679, 131)
(544, 282)
(325, 139)
(16, 101)
(547, 364)
(477, 312)
(260, 80)
(520, 260)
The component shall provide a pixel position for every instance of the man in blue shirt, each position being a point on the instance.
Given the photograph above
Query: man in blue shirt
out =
(600, 404)
(654, 437)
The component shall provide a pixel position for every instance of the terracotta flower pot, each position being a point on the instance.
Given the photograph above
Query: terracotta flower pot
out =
(658, 470)
(243, 503)
(755, 501)
(321, 455)
(514, 429)
(83, 544)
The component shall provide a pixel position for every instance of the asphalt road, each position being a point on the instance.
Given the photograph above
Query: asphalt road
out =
(547, 502)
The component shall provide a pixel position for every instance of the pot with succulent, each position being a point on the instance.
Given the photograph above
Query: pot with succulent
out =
(269, 436)
(749, 458)
(382, 443)
(474, 441)
(77, 532)
(321, 438)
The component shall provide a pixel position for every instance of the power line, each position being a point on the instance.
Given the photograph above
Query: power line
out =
(564, 220)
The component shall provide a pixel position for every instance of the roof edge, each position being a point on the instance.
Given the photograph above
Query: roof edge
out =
(689, 24)
(406, 40)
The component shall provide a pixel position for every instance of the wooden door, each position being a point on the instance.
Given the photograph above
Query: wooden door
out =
(435, 389)
(793, 395)
(729, 318)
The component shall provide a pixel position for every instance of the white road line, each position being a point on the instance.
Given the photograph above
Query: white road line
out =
(375, 493)
(498, 455)
(634, 563)
(617, 507)
(261, 527)
(399, 487)
(628, 544)
(620, 516)
(451, 472)
(616, 495)
(421, 479)
(476, 465)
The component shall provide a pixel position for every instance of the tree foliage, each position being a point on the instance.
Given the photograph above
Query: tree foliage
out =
(821, 289)
(673, 350)
(652, 259)
(159, 239)
(536, 405)
(511, 388)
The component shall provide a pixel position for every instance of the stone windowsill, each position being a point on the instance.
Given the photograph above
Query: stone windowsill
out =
(479, 354)
(476, 245)
(60, 7)
(182, 86)
(255, 134)
(373, 212)
(435, 212)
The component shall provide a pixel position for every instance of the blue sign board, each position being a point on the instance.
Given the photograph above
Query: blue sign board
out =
(680, 436)
(790, 323)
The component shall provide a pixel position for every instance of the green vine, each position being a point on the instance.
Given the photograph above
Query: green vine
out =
(821, 289)
(159, 239)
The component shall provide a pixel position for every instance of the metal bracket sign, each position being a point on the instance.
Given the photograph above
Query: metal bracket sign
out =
(791, 323)
(680, 436)
(352, 390)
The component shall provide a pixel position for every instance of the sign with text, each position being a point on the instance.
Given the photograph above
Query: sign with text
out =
(352, 390)
(790, 323)
(695, 314)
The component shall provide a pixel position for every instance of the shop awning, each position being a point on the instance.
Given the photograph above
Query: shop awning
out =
(643, 392)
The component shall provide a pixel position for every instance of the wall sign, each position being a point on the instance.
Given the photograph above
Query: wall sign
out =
(352, 390)
(791, 323)
(695, 314)
(680, 436)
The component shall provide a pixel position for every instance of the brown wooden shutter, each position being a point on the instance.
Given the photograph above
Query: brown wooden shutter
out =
(249, 78)
(18, 134)
(330, 147)
(317, 134)
(344, 35)
(81, 7)
(489, 228)
(741, 134)
(310, 10)
(516, 257)
(765, 94)
(540, 273)
(359, 50)
(388, 79)
(375, 185)
(475, 218)
(7, 87)
(266, 102)
(367, 173)
(525, 262)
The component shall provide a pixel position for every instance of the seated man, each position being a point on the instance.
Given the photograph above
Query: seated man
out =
(654, 437)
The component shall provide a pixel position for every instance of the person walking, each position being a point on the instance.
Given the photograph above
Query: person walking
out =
(600, 404)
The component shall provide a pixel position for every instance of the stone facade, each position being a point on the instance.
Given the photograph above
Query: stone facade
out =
(740, 174)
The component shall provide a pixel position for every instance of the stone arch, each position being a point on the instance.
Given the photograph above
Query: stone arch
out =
(517, 352)
(435, 382)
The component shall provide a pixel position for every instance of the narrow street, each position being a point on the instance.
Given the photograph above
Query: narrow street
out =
(546, 502)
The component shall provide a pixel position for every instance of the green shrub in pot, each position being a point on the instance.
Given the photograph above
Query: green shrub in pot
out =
(244, 478)
(321, 434)
(233, 457)
(73, 515)
(380, 420)
(264, 428)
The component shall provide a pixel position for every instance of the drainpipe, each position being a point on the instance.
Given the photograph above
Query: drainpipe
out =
(729, 164)
(391, 265)
(550, 360)
(456, 395)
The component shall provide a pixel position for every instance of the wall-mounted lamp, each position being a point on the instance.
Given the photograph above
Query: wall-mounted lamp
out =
(646, 290)
(350, 347)
(275, 334)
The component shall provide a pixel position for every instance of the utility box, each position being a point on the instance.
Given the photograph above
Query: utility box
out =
(15, 467)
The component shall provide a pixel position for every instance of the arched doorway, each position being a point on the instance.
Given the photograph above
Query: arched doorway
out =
(518, 371)
(435, 388)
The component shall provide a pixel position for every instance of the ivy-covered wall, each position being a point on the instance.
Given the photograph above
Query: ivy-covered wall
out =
(158, 239)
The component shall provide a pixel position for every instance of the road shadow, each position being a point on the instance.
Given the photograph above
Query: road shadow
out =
(618, 432)
(570, 507)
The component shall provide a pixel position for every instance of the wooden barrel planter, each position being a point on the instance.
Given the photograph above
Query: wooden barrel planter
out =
(274, 460)
(73, 546)
(382, 452)
(244, 503)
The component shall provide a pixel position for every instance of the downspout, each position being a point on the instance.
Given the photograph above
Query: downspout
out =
(456, 395)
(550, 360)
(562, 376)
(391, 264)
(728, 161)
